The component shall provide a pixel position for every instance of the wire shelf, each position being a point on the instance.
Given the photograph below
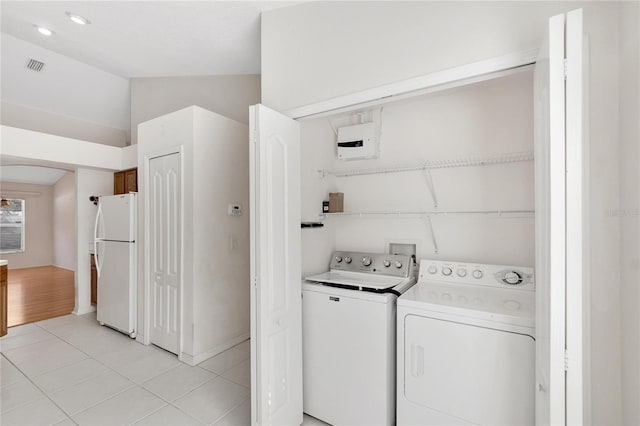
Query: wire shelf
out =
(510, 157)
(430, 213)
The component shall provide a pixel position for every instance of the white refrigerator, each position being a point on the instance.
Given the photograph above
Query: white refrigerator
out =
(116, 261)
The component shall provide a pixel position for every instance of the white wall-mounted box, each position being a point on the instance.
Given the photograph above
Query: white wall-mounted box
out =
(358, 142)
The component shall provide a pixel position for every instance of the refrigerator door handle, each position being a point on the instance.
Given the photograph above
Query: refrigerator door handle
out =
(96, 240)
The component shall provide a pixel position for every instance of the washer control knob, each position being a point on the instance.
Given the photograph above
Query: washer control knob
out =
(461, 272)
(347, 259)
(398, 264)
(432, 269)
(366, 261)
(477, 274)
(386, 263)
(338, 259)
(512, 277)
(446, 271)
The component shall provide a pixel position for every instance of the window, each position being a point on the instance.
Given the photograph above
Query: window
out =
(12, 226)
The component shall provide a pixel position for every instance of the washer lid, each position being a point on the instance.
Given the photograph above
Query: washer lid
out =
(494, 304)
(357, 280)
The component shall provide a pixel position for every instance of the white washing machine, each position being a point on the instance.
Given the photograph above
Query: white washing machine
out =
(466, 347)
(349, 336)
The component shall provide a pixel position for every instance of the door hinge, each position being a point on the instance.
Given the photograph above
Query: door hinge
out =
(565, 67)
(566, 360)
(255, 282)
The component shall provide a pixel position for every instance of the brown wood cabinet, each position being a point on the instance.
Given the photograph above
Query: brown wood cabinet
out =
(125, 181)
(3, 300)
(94, 281)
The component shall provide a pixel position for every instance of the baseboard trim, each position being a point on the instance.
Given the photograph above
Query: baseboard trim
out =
(84, 310)
(197, 359)
(65, 268)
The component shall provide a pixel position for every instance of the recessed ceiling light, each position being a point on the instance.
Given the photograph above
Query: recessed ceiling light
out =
(44, 31)
(80, 20)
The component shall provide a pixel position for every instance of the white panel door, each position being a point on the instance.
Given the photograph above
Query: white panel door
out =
(559, 207)
(276, 316)
(164, 262)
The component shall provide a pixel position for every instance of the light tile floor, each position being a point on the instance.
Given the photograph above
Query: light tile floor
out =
(71, 371)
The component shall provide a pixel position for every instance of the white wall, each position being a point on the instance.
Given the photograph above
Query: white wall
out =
(64, 222)
(215, 245)
(480, 120)
(630, 208)
(228, 95)
(65, 87)
(319, 50)
(220, 241)
(87, 182)
(38, 224)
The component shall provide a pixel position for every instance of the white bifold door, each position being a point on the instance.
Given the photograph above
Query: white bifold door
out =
(558, 101)
(164, 265)
(276, 316)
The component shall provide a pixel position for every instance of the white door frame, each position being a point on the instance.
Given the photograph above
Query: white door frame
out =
(147, 247)
(577, 283)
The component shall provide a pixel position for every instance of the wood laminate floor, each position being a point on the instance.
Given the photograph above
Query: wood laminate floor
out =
(36, 294)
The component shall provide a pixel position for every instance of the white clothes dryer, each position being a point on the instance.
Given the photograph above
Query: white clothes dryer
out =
(466, 346)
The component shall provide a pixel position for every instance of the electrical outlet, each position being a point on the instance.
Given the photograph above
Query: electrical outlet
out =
(234, 210)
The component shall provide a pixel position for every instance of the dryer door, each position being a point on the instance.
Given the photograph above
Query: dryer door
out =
(469, 373)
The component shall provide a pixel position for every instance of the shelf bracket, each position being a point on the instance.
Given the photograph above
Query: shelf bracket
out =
(433, 235)
(429, 179)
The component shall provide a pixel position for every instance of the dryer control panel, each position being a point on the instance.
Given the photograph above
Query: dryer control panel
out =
(518, 277)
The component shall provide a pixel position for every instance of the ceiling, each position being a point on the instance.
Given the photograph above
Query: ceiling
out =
(147, 38)
(30, 174)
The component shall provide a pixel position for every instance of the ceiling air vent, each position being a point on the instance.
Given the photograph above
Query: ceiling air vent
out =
(35, 65)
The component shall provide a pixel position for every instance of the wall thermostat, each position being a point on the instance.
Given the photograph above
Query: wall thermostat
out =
(358, 142)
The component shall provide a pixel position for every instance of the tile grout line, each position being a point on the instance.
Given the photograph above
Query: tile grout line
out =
(41, 391)
(167, 402)
(150, 414)
(127, 378)
(171, 403)
(134, 384)
(2, 350)
(83, 381)
(228, 412)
